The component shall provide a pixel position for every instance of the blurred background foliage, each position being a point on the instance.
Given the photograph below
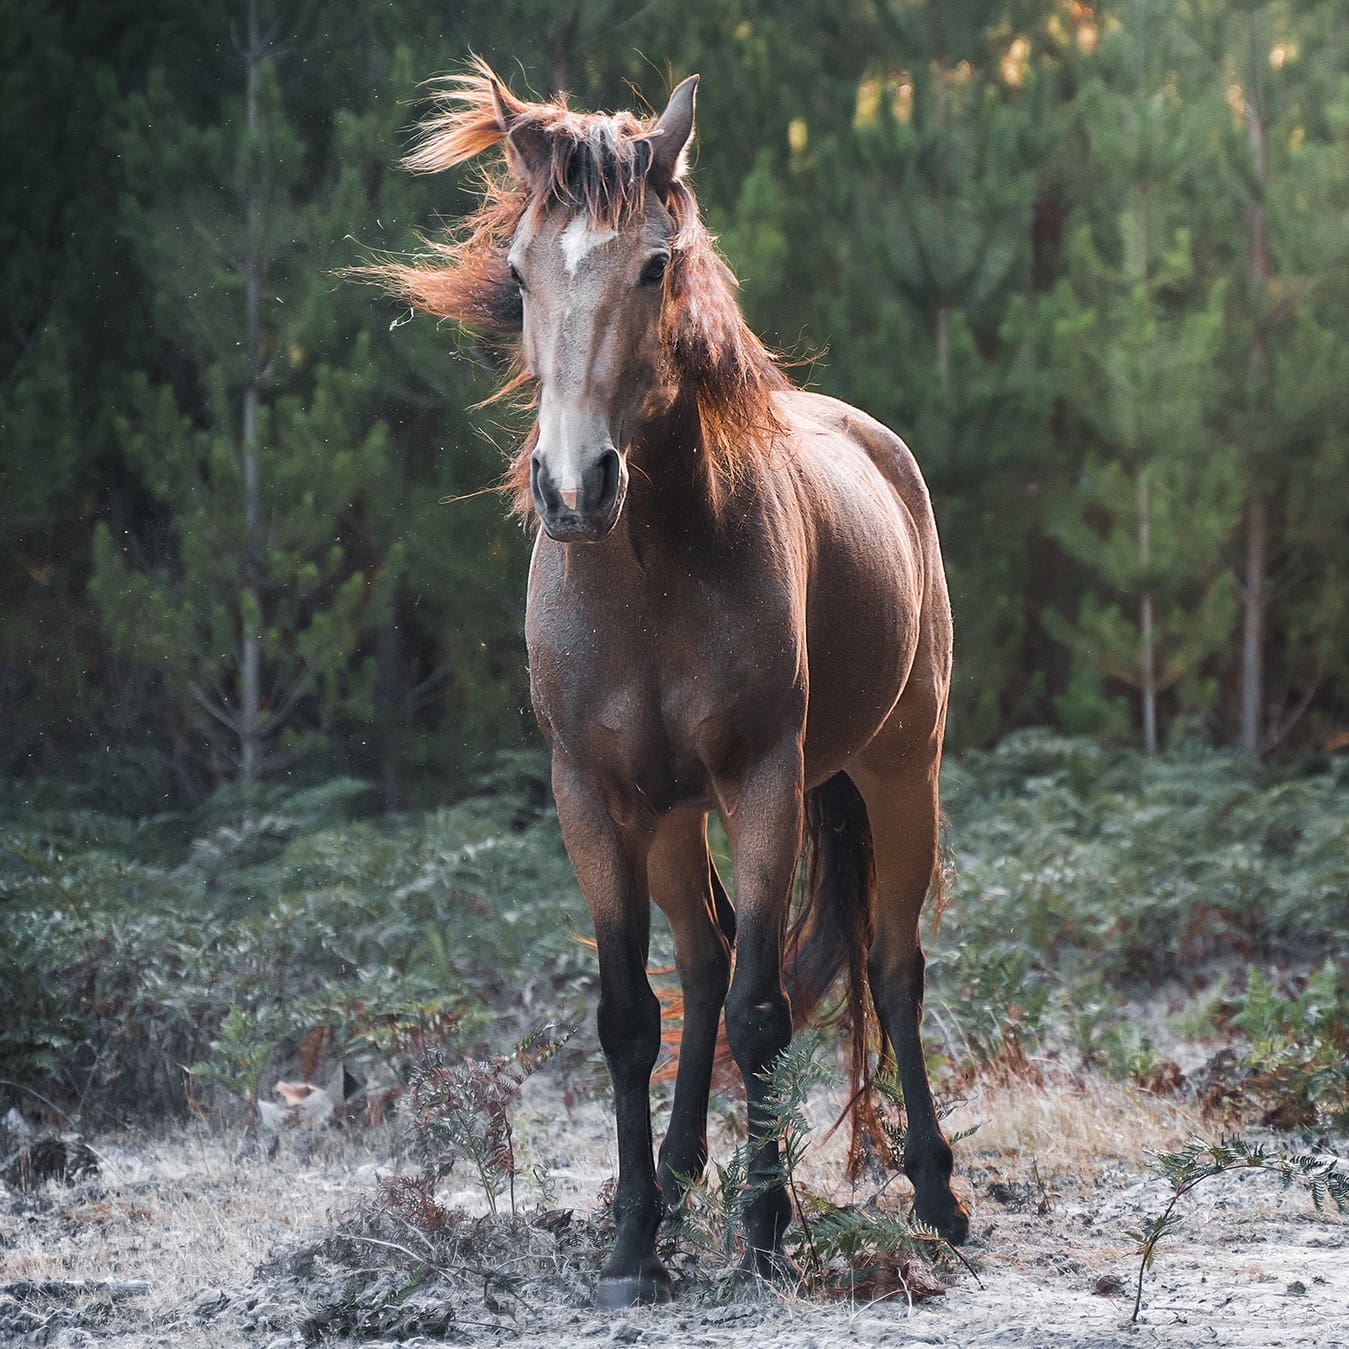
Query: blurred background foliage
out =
(1089, 260)
(1107, 906)
(267, 759)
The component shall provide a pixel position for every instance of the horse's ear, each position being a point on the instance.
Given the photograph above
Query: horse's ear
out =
(525, 145)
(669, 138)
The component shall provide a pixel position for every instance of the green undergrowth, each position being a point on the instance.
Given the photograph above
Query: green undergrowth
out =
(1089, 881)
(126, 944)
(1084, 879)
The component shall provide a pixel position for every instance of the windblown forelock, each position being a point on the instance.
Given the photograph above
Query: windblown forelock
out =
(596, 164)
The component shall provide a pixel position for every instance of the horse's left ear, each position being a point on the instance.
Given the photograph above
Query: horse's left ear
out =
(522, 140)
(670, 136)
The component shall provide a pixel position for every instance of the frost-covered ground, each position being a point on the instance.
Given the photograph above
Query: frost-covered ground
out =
(178, 1243)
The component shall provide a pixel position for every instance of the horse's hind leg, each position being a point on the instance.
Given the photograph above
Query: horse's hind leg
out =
(686, 886)
(900, 791)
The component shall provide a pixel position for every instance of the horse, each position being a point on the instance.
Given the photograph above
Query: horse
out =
(736, 603)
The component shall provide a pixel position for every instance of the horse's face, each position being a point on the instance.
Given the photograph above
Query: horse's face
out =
(592, 307)
(592, 297)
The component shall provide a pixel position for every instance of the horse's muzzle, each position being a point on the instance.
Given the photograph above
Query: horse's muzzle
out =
(587, 512)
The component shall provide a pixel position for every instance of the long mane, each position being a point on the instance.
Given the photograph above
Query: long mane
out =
(596, 163)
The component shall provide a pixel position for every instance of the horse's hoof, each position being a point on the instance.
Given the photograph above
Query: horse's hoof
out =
(947, 1216)
(643, 1289)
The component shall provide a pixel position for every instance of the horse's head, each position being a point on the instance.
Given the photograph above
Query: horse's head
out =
(590, 256)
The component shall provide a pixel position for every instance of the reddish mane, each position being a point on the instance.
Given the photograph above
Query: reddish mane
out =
(597, 163)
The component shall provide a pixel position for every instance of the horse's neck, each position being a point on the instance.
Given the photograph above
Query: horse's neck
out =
(670, 493)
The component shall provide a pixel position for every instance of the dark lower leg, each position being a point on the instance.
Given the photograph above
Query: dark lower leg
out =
(611, 868)
(704, 977)
(684, 884)
(759, 1026)
(765, 835)
(928, 1162)
(629, 1027)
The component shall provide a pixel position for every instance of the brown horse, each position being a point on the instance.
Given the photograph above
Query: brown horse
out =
(736, 604)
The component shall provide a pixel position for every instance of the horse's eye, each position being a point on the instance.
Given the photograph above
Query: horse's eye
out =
(517, 278)
(654, 271)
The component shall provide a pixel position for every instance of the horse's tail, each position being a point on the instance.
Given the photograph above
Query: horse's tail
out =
(832, 929)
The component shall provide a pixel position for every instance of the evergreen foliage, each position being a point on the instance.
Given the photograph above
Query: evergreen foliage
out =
(126, 942)
(1088, 259)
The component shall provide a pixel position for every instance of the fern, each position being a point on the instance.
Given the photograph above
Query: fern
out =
(1201, 1159)
(462, 1108)
(853, 1245)
(242, 1049)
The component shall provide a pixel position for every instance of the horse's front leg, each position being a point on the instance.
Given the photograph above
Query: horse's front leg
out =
(763, 825)
(610, 863)
(685, 885)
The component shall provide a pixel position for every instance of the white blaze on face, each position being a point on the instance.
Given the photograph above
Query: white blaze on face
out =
(579, 239)
(568, 435)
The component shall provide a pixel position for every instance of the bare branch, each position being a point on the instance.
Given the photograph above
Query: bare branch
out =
(225, 718)
(276, 719)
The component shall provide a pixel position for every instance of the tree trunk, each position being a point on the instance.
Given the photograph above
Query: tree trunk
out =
(1253, 627)
(564, 37)
(1147, 656)
(389, 719)
(942, 324)
(1256, 543)
(250, 664)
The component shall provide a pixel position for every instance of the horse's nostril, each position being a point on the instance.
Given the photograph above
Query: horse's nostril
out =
(540, 486)
(609, 480)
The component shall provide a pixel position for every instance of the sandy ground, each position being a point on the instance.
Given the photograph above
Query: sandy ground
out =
(170, 1244)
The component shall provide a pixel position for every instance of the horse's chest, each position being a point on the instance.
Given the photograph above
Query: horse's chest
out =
(662, 693)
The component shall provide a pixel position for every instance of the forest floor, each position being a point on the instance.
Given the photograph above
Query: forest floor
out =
(180, 1240)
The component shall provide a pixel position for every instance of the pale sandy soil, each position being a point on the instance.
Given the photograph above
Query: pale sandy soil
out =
(173, 1240)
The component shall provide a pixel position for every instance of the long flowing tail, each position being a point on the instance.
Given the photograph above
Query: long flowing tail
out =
(832, 929)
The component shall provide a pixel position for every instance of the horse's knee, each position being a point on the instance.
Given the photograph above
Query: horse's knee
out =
(758, 1026)
(629, 1029)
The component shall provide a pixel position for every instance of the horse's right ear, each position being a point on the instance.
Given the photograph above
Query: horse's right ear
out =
(669, 138)
(525, 146)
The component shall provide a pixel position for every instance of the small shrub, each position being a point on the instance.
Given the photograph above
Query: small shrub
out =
(1298, 1055)
(462, 1110)
(241, 1053)
(1322, 1176)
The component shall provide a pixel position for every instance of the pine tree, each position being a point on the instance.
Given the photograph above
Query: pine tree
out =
(254, 451)
(68, 323)
(1286, 184)
(921, 305)
(1139, 337)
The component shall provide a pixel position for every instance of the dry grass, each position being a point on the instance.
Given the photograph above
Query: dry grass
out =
(180, 1213)
(1070, 1125)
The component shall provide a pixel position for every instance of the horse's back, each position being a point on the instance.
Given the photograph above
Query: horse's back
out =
(821, 422)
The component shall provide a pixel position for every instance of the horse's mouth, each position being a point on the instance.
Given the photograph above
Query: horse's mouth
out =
(567, 526)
